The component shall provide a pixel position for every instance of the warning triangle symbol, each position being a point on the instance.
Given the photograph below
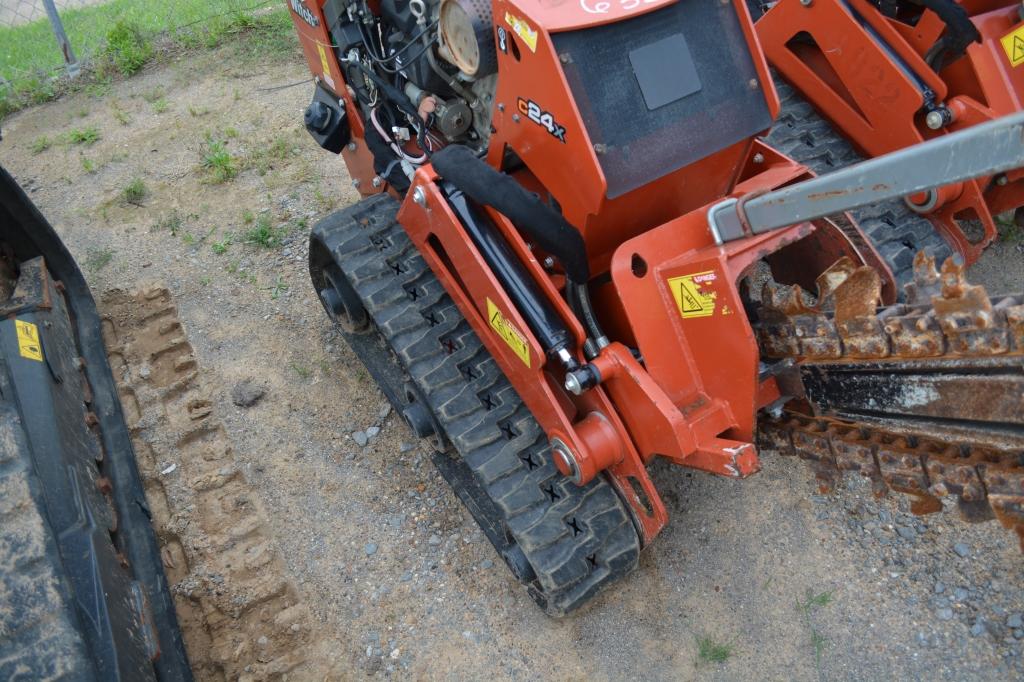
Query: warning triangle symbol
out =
(1018, 49)
(690, 302)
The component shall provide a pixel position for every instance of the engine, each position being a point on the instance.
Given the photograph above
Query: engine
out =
(423, 73)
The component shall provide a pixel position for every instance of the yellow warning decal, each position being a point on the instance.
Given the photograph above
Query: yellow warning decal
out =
(523, 30)
(28, 340)
(692, 294)
(1013, 46)
(325, 64)
(508, 332)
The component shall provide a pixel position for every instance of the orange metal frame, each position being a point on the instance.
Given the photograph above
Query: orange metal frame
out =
(850, 75)
(694, 396)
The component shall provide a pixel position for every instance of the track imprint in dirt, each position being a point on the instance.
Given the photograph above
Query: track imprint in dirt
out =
(241, 614)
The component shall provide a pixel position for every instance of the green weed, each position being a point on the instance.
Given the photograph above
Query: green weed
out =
(41, 144)
(85, 136)
(278, 288)
(134, 192)
(121, 116)
(160, 106)
(248, 217)
(221, 247)
(303, 371)
(264, 234)
(97, 259)
(127, 47)
(170, 222)
(220, 165)
(87, 165)
(818, 640)
(710, 651)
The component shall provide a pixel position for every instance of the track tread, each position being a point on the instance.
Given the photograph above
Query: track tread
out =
(895, 231)
(452, 369)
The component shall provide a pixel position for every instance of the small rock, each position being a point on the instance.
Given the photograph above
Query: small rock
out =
(960, 594)
(940, 587)
(1019, 634)
(1015, 621)
(370, 549)
(405, 447)
(945, 614)
(262, 641)
(406, 577)
(384, 411)
(144, 371)
(486, 564)
(434, 540)
(372, 431)
(906, 533)
(961, 549)
(360, 438)
(977, 629)
(247, 393)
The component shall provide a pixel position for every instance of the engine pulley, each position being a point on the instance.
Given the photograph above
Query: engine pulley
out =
(465, 27)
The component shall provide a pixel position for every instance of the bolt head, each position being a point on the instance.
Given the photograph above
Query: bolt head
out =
(351, 146)
(1002, 180)
(356, 184)
(419, 196)
(759, 158)
(753, 83)
(934, 120)
(806, 3)
(549, 262)
(377, 182)
(572, 384)
(515, 118)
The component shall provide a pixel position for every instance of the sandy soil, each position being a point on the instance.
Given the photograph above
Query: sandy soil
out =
(379, 550)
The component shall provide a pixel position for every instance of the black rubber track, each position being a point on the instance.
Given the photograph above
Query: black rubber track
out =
(577, 539)
(897, 232)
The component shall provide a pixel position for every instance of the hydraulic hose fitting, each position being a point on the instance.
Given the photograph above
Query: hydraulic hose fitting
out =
(582, 379)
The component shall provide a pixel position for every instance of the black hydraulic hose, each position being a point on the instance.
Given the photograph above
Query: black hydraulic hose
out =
(586, 313)
(460, 166)
(961, 32)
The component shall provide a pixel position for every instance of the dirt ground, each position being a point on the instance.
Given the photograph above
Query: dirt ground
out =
(382, 572)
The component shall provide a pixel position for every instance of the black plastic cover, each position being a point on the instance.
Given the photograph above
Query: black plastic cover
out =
(664, 89)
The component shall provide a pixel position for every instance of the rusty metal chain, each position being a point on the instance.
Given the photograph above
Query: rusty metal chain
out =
(947, 320)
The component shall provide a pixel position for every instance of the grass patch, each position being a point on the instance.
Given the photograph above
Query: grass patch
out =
(85, 136)
(87, 165)
(160, 106)
(221, 247)
(97, 259)
(711, 651)
(303, 371)
(170, 222)
(127, 48)
(818, 640)
(278, 288)
(218, 162)
(134, 192)
(264, 234)
(121, 36)
(41, 144)
(264, 158)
